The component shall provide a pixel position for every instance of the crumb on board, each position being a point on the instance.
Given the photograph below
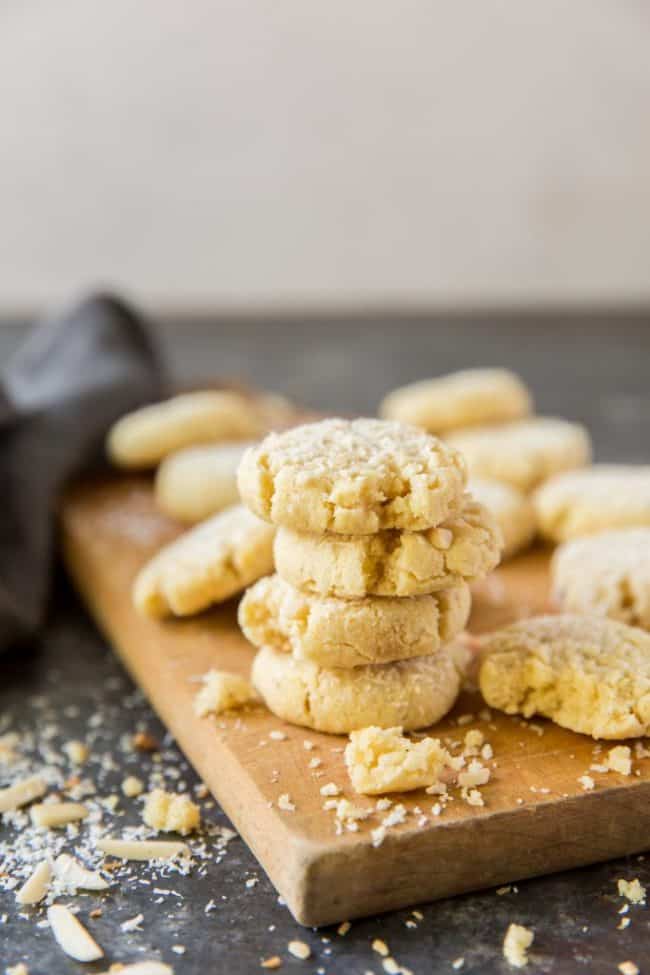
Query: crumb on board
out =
(516, 943)
(223, 691)
(632, 890)
(132, 786)
(619, 759)
(299, 949)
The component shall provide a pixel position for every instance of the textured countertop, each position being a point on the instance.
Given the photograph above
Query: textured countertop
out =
(594, 369)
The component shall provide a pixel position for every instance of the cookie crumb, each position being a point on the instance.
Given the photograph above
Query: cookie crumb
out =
(273, 962)
(223, 691)
(586, 782)
(619, 759)
(516, 943)
(171, 812)
(633, 890)
(344, 928)
(76, 751)
(380, 947)
(628, 968)
(299, 950)
(132, 786)
(285, 803)
(142, 741)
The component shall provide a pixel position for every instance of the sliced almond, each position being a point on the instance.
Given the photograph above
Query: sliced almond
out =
(54, 814)
(22, 792)
(35, 887)
(71, 935)
(144, 968)
(142, 849)
(74, 876)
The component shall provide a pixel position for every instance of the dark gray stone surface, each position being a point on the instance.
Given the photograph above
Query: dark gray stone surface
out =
(593, 369)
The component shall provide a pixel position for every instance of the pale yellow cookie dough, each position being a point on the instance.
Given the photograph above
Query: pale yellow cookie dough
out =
(143, 438)
(350, 632)
(353, 477)
(588, 674)
(383, 760)
(411, 693)
(460, 399)
(607, 575)
(197, 482)
(602, 497)
(392, 563)
(208, 564)
(513, 510)
(524, 453)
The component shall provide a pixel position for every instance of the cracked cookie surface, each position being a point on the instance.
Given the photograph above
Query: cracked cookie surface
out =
(206, 565)
(391, 563)
(606, 574)
(351, 632)
(524, 453)
(602, 497)
(588, 674)
(461, 399)
(410, 693)
(352, 477)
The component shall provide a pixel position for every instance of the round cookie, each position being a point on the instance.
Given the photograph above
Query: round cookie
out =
(606, 575)
(513, 511)
(588, 674)
(207, 564)
(602, 497)
(197, 482)
(392, 563)
(352, 477)
(460, 399)
(411, 693)
(350, 632)
(524, 453)
(141, 439)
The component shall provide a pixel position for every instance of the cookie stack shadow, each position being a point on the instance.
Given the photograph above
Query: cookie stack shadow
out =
(359, 629)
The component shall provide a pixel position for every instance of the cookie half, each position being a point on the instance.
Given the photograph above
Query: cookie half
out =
(524, 453)
(197, 482)
(143, 438)
(607, 575)
(352, 477)
(410, 693)
(602, 497)
(392, 563)
(513, 510)
(206, 565)
(350, 632)
(460, 399)
(588, 674)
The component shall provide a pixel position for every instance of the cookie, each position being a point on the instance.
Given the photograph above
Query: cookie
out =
(392, 563)
(524, 453)
(606, 575)
(603, 497)
(197, 482)
(411, 693)
(352, 477)
(208, 564)
(513, 510)
(460, 399)
(141, 439)
(588, 674)
(350, 632)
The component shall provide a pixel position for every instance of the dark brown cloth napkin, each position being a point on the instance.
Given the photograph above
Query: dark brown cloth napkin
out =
(74, 376)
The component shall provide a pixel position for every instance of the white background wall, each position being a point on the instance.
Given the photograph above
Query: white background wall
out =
(325, 152)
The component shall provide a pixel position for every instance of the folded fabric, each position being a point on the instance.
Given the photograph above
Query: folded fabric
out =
(73, 377)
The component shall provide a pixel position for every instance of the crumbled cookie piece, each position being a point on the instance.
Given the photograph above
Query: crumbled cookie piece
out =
(299, 950)
(132, 786)
(222, 691)
(171, 812)
(619, 759)
(383, 760)
(516, 943)
(633, 890)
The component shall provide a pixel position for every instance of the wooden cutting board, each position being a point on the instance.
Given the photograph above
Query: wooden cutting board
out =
(537, 818)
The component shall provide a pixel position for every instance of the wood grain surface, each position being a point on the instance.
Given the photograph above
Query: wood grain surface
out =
(537, 817)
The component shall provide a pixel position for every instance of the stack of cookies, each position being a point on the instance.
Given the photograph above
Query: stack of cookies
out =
(376, 543)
